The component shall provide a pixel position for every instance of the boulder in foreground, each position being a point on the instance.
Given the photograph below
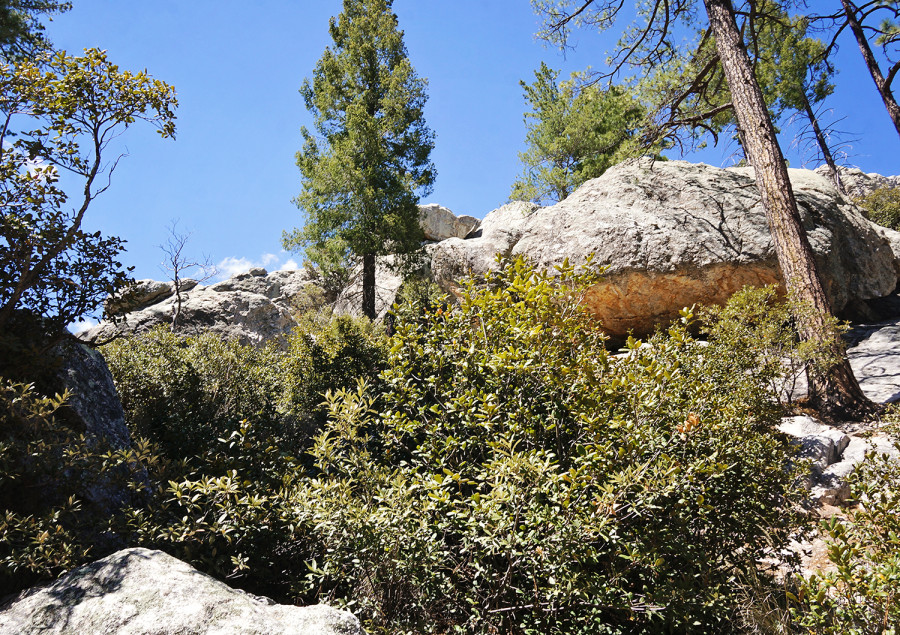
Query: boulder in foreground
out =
(145, 592)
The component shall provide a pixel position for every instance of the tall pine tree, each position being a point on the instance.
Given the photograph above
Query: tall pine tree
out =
(364, 171)
(574, 134)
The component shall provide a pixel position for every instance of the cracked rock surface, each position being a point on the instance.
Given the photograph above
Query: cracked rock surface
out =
(146, 592)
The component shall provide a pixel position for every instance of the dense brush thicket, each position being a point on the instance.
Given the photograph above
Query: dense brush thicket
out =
(882, 206)
(510, 475)
(489, 468)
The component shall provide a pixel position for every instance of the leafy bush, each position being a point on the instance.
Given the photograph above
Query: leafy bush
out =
(232, 516)
(234, 422)
(860, 595)
(882, 206)
(328, 352)
(509, 475)
(757, 327)
(183, 393)
(45, 465)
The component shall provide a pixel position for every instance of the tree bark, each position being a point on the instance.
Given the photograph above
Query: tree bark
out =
(368, 286)
(823, 145)
(835, 391)
(884, 89)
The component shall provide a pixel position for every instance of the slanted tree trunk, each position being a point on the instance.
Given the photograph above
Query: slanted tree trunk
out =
(368, 286)
(884, 87)
(823, 146)
(835, 392)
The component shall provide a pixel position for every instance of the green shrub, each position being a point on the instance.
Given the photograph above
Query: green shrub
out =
(232, 516)
(882, 206)
(509, 475)
(45, 468)
(757, 327)
(861, 594)
(234, 422)
(184, 393)
(328, 352)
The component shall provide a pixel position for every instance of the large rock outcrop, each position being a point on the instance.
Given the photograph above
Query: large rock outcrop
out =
(93, 402)
(93, 409)
(859, 183)
(144, 592)
(253, 307)
(439, 223)
(673, 234)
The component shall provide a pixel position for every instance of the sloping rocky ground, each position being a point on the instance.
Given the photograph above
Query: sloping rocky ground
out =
(835, 451)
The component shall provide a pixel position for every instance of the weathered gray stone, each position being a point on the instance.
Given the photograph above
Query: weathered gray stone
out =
(875, 359)
(819, 443)
(859, 183)
(93, 408)
(456, 258)
(144, 592)
(439, 223)
(139, 295)
(93, 399)
(674, 234)
(834, 454)
(253, 307)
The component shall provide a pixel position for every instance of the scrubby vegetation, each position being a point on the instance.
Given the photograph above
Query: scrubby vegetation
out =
(860, 592)
(882, 206)
(490, 467)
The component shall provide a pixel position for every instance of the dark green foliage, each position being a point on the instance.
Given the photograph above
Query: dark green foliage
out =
(21, 31)
(234, 422)
(46, 465)
(232, 515)
(328, 353)
(882, 206)
(512, 476)
(364, 172)
(759, 329)
(574, 134)
(183, 393)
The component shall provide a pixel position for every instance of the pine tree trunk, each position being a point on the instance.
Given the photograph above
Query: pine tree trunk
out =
(883, 88)
(823, 146)
(836, 393)
(368, 286)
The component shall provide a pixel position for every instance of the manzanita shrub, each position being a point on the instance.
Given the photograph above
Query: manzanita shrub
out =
(231, 424)
(509, 475)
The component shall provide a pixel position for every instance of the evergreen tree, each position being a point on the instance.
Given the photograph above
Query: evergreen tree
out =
(21, 30)
(573, 135)
(362, 173)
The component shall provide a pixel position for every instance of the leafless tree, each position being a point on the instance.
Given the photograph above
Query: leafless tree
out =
(177, 265)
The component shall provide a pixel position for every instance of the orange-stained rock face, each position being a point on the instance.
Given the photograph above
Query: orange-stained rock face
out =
(673, 234)
(637, 301)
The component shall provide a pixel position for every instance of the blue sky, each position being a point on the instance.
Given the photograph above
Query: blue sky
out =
(229, 176)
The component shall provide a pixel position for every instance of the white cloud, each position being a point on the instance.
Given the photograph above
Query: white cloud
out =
(231, 266)
(82, 325)
(268, 259)
(271, 262)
